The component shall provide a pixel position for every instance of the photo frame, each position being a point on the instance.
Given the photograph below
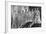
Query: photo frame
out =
(8, 27)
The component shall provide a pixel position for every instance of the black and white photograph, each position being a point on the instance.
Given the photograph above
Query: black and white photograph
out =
(25, 16)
